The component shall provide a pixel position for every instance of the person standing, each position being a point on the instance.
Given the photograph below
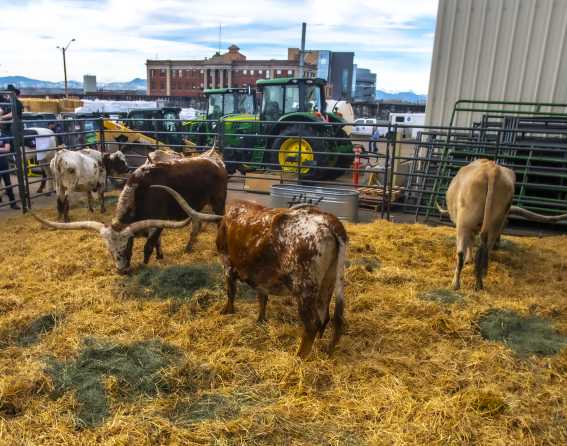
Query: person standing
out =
(6, 130)
(5, 150)
(8, 112)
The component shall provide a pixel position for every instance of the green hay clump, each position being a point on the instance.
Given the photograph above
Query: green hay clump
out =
(442, 296)
(135, 366)
(32, 333)
(173, 281)
(369, 263)
(524, 335)
(209, 407)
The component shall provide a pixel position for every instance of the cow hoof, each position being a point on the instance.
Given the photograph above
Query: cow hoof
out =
(188, 248)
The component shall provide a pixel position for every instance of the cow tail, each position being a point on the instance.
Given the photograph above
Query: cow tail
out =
(481, 261)
(338, 316)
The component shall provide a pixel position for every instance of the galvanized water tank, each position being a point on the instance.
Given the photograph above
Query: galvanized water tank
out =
(341, 201)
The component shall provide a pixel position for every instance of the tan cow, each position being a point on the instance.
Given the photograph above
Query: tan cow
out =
(479, 200)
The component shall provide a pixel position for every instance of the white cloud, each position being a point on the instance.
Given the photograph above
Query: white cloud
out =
(114, 38)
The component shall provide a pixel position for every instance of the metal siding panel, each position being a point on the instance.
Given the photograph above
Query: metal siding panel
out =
(498, 50)
(519, 51)
(447, 58)
(547, 47)
(434, 108)
(561, 53)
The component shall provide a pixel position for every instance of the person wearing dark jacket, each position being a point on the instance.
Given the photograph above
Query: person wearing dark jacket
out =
(5, 147)
(7, 116)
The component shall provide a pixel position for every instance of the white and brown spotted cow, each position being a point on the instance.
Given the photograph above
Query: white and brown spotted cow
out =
(277, 251)
(83, 171)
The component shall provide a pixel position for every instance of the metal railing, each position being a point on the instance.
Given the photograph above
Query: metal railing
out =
(403, 169)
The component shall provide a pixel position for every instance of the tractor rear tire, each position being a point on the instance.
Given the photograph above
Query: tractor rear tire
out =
(342, 161)
(315, 146)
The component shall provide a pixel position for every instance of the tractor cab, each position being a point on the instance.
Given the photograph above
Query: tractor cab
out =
(285, 96)
(82, 129)
(162, 124)
(230, 101)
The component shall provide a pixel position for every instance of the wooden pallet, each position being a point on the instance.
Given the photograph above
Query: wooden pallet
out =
(372, 197)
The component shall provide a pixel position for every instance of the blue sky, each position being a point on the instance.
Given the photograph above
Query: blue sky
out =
(114, 38)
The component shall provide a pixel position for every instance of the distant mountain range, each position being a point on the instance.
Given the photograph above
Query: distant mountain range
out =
(23, 82)
(405, 96)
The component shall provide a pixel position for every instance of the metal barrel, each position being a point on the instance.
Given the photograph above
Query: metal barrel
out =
(340, 201)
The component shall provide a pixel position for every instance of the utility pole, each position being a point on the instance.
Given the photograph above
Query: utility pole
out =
(63, 51)
(302, 50)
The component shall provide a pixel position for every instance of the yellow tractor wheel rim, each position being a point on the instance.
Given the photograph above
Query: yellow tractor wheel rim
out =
(289, 155)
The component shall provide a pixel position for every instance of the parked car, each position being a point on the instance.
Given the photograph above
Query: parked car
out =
(364, 126)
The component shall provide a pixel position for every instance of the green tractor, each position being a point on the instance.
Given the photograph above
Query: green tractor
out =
(248, 144)
(239, 103)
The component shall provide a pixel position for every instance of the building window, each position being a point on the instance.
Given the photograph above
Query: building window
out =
(202, 85)
(162, 71)
(201, 71)
(260, 72)
(244, 71)
(290, 72)
(251, 72)
(267, 74)
(278, 71)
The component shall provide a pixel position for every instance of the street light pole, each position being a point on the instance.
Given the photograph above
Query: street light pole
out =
(64, 51)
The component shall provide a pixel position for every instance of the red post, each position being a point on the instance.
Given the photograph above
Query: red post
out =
(356, 164)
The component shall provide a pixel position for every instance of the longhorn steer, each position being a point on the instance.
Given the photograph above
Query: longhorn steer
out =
(145, 211)
(300, 250)
(479, 200)
(83, 171)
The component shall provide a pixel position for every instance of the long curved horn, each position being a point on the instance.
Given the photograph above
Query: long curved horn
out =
(154, 223)
(441, 210)
(515, 210)
(92, 225)
(185, 206)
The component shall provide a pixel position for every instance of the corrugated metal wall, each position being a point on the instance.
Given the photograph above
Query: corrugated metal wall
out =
(511, 50)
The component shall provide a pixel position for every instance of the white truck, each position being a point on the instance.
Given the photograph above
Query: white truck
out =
(417, 119)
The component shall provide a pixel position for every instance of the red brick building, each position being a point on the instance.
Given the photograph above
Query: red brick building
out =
(231, 69)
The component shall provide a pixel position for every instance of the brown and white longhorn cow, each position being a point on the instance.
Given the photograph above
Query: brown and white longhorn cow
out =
(299, 250)
(479, 200)
(145, 211)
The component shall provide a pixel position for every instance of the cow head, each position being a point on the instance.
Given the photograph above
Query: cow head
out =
(115, 162)
(119, 239)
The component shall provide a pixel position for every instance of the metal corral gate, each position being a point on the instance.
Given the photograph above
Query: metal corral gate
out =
(405, 169)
